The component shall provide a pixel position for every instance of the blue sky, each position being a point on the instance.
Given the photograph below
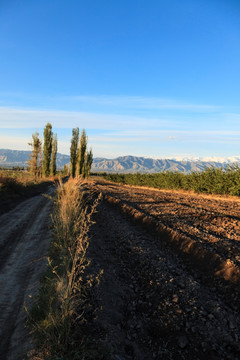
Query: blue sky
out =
(147, 78)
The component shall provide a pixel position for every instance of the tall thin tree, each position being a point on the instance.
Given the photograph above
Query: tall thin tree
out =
(53, 165)
(47, 149)
(89, 161)
(82, 150)
(35, 161)
(73, 151)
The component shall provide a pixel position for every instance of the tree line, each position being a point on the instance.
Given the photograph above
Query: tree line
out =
(222, 181)
(43, 160)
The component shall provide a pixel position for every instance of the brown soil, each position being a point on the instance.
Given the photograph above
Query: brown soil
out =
(24, 241)
(213, 223)
(152, 303)
(149, 304)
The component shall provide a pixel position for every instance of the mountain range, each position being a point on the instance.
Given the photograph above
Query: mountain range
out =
(9, 158)
(125, 164)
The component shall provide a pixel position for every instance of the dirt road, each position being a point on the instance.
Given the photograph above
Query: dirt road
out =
(24, 240)
(150, 303)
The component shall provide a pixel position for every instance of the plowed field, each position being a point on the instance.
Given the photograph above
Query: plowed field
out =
(167, 290)
(211, 222)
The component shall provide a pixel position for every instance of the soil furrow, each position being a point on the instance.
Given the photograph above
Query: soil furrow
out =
(150, 305)
(211, 222)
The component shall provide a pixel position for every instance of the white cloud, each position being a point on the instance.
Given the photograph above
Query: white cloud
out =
(28, 118)
(112, 133)
(15, 142)
(141, 102)
(107, 101)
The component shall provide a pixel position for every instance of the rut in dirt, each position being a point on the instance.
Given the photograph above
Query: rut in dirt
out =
(24, 241)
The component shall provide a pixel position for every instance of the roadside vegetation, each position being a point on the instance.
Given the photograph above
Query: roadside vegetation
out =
(58, 318)
(15, 183)
(210, 181)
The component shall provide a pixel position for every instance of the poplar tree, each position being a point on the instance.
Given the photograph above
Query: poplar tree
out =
(73, 151)
(35, 161)
(82, 153)
(53, 165)
(47, 149)
(89, 161)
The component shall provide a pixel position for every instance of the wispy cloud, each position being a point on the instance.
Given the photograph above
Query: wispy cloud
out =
(14, 142)
(141, 102)
(107, 101)
(27, 118)
(129, 132)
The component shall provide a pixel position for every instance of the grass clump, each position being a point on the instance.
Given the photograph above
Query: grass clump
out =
(60, 309)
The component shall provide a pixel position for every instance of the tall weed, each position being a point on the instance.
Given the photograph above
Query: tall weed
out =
(63, 292)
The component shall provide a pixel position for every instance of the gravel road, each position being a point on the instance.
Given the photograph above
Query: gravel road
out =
(24, 241)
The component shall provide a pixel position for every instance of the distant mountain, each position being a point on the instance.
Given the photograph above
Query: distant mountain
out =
(131, 164)
(123, 164)
(216, 159)
(20, 158)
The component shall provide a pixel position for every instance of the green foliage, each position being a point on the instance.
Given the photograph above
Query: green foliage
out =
(47, 149)
(210, 181)
(73, 151)
(35, 162)
(81, 159)
(82, 150)
(89, 161)
(53, 165)
(65, 170)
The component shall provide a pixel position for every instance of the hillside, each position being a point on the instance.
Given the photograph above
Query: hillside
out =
(20, 158)
(133, 164)
(123, 164)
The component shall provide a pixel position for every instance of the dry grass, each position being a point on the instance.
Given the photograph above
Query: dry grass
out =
(22, 177)
(14, 184)
(63, 293)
